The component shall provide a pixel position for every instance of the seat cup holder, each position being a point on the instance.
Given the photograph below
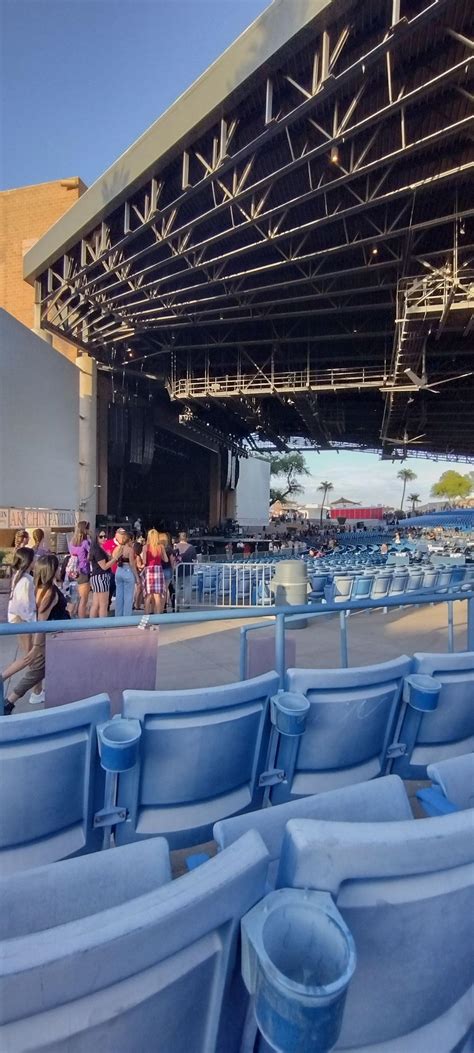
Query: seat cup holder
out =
(421, 692)
(298, 958)
(288, 712)
(119, 743)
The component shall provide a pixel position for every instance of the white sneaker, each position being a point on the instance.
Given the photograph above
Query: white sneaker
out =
(35, 700)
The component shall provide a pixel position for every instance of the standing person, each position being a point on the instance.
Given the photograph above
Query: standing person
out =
(50, 606)
(22, 604)
(21, 539)
(168, 567)
(153, 558)
(78, 564)
(186, 554)
(138, 599)
(126, 576)
(99, 564)
(38, 547)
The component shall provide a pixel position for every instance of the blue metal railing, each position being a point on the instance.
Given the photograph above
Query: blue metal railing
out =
(280, 616)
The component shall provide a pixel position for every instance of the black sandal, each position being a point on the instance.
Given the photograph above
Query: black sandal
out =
(8, 708)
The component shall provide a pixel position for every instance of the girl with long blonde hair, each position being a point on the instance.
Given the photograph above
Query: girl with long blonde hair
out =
(154, 556)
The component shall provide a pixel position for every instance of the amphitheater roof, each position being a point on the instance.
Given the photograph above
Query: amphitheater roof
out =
(287, 253)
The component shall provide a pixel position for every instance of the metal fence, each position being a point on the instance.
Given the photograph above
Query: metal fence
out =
(200, 585)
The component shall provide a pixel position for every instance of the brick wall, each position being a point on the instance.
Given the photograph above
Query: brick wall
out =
(25, 214)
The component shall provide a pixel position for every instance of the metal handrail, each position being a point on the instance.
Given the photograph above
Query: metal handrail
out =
(281, 616)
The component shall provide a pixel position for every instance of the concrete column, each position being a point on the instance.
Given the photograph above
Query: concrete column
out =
(102, 443)
(87, 438)
(215, 493)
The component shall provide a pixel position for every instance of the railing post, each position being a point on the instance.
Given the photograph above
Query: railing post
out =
(280, 642)
(343, 639)
(470, 624)
(243, 654)
(450, 626)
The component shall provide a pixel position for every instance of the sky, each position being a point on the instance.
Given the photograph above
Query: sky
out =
(82, 79)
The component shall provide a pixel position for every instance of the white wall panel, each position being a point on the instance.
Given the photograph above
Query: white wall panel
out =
(39, 421)
(253, 492)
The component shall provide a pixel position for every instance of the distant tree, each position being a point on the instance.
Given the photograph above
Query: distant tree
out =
(415, 500)
(289, 466)
(407, 475)
(325, 487)
(453, 484)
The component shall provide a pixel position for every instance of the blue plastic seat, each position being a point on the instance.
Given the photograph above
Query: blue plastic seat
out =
(430, 578)
(447, 731)
(399, 583)
(58, 893)
(340, 589)
(51, 784)
(381, 800)
(202, 752)
(158, 972)
(348, 729)
(453, 786)
(381, 586)
(405, 891)
(415, 580)
(362, 587)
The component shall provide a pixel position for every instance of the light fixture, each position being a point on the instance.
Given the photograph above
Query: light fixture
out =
(375, 251)
(334, 155)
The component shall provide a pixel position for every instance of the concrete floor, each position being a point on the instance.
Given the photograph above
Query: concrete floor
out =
(207, 654)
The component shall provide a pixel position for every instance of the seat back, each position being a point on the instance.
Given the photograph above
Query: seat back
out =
(161, 971)
(430, 578)
(455, 778)
(415, 580)
(201, 754)
(342, 586)
(362, 587)
(55, 894)
(448, 731)
(444, 578)
(348, 728)
(51, 784)
(405, 890)
(381, 800)
(381, 586)
(399, 583)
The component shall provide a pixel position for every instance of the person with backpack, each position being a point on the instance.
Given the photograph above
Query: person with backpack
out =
(77, 568)
(50, 606)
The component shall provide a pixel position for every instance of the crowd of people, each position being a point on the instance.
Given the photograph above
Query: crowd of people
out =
(124, 572)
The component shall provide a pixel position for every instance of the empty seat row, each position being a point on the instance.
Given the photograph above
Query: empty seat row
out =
(345, 587)
(123, 959)
(211, 753)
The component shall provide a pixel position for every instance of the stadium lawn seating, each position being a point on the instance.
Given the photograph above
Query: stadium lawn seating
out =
(202, 752)
(382, 800)
(348, 729)
(158, 971)
(405, 891)
(446, 732)
(453, 786)
(51, 784)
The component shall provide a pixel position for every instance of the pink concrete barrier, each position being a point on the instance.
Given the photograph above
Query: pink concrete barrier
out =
(87, 663)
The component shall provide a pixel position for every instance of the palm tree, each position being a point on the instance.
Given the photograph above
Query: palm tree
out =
(326, 487)
(415, 500)
(407, 475)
